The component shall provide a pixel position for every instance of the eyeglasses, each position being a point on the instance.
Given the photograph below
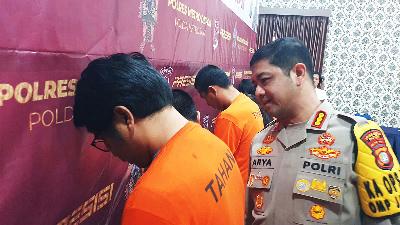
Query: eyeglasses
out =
(99, 144)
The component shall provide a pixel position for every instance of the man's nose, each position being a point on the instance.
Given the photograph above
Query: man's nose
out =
(259, 91)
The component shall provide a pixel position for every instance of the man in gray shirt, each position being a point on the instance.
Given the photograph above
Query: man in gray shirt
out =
(314, 165)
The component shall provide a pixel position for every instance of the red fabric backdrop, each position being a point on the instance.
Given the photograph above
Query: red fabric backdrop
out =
(49, 174)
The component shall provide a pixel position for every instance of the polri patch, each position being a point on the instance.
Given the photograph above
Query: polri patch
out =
(375, 140)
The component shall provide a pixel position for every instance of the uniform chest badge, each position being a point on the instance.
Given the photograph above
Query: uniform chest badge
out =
(324, 153)
(326, 139)
(269, 139)
(317, 212)
(259, 201)
(375, 140)
(334, 192)
(303, 185)
(265, 181)
(318, 185)
(265, 150)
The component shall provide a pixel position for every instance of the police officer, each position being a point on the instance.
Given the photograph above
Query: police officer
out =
(314, 165)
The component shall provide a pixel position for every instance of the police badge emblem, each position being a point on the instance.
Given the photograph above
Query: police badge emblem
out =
(318, 185)
(317, 212)
(324, 152)
(269, 139)
(259, 201)
(334, 191)
(250, 182)
(264, 150)
(303, 185)
(326, 139)
(375, 140)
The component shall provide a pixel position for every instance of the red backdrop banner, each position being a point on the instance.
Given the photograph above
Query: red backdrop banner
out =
(49, 173)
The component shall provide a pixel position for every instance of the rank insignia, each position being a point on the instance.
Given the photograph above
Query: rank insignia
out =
(318, 185)
(326, 139)
(334, 192)
(269, 139)
(265, 150)
(324, 153)
(303, 185)
(317, 212)
(319, 119)
(259, 201)
(375, 140)
(250, 182)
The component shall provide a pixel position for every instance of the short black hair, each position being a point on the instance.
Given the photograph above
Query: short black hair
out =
(118, 80)
(285, 53)
(246, 86)
(210, 75)
(184, 103)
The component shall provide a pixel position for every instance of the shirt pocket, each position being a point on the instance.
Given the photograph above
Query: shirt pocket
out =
(260, 183)
(317, 199)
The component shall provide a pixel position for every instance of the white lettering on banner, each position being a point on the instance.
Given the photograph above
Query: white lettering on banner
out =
(50, 117)
(25, 92)
(189, 12)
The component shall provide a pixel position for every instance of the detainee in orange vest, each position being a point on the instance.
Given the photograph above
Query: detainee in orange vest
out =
(240, 118)
(191, 178)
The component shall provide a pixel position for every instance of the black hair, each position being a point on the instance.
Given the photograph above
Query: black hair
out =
(285, 53)
(184, 103)
(210, 75)
(246, 86)
(118, 80)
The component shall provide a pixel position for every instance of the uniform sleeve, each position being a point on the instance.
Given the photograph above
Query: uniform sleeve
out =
(376, 165)
(228, 132)
(140, 217)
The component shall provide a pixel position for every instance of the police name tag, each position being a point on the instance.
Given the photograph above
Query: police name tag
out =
(263, 162)
(324, 168)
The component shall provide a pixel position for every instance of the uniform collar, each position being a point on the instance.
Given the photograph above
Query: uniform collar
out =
(294, 134)
(321, 116)
(291, 135)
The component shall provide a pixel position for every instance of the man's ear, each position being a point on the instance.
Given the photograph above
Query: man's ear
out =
(123, 115)
(300, 72)
(212, 90)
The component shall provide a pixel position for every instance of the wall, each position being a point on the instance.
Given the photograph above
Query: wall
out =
(362, 58)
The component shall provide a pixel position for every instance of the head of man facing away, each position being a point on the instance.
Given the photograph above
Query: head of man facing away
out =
(215, 87)
(127, 105)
